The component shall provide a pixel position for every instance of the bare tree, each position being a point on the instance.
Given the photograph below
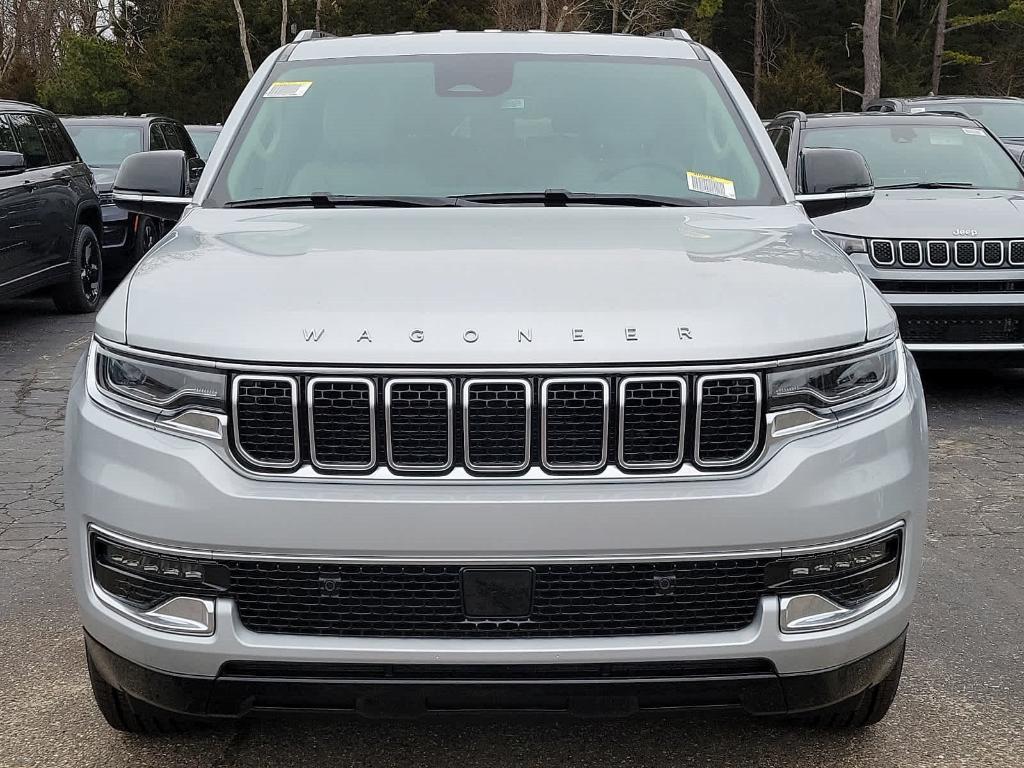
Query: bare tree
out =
(543, 14)
(872, 54)
(284, 22)
(616, 10)
(316, 17)
(758, 50)
(243, 37)
(939, 51)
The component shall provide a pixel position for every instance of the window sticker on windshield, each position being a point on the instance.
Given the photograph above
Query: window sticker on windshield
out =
(974, 131)
(711, 185)
(286, 90)
(915, 110)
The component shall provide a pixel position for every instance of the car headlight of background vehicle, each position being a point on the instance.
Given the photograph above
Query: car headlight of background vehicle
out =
(803, 397)
(848, 245)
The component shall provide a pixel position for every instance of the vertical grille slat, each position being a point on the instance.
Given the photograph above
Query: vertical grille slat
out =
(965, 253)
(883, 252)
(342, 423)
(910, 253)
(497, 424)
(938, 253)
(652, 418)
(574, 424)
(265, 416)
(728, 419)
(992, 253)
(418, 416)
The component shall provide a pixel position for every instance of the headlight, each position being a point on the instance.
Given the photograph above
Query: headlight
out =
(835, 385)
(848, 245)
(157, 386)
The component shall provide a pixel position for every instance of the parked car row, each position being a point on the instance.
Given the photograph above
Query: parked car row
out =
(59, 227)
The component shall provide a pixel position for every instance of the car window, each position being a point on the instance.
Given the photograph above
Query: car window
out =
(7, 141)
(31, 141)
(156, 137)
(781, 139)
(184, 139)
(57, 145)
(458, 124)
(919, 153)
(204, 141)
(1003, 118)
(104, 145)
(171, 137)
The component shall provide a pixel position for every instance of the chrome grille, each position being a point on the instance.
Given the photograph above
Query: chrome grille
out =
(265, 415)
(574, 424)
(493, 425)
(728, 419)
(342, 424)
(988, 254)
(652, 421)
(418, 413)
(496, 424)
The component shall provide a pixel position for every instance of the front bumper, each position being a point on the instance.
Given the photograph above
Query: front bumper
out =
(170, 490)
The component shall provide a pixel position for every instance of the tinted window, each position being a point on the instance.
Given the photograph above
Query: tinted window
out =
(156, 137)
(7, 142)
(909, 153)
(105, 145)
(184, 140)
(467, 124)
(171, 137)
(1003, 118)
(31, 141)
(781, 138)
(57, 146)
(204, 141)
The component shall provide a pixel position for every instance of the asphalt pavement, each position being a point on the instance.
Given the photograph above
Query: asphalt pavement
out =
(961, 702)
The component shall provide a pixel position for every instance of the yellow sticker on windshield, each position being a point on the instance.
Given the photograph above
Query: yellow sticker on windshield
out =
(287, 90)
(711, 185)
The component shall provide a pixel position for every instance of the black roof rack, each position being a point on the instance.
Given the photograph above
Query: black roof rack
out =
(310, 34)
(675, 33)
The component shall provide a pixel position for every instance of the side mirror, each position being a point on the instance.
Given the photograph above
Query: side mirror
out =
(154, 184)
(834, 180)
(11, 163)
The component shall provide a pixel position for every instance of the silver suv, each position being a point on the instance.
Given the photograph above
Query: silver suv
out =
(492, 370)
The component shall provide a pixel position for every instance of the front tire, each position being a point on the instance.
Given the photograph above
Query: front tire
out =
(80, 292)
(146, 236)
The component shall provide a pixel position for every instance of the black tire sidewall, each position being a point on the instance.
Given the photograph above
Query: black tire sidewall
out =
(71, 295)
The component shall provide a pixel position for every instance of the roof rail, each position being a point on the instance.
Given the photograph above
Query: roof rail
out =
(675, 33)
(310, 34)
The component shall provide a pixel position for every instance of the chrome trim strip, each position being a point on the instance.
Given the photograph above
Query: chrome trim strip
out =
(824, 197)
(544, 425)
(467, 455)
(136, 197)
(550, 370)
(832, 615)
(1002, 256)
(945, 247)
(312, 557)
(920, 256)
(1009, 253)
(311, 384)
(974, 252)
(966, 347)
(622, 422)
(33, 274)
(874, 257)
(759, 395)
(388, 386)
(166, 617)
(295, 421)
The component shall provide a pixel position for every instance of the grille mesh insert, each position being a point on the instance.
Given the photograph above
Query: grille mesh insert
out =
(575, 414)
(729, 419)
(497, 425)
(964, 329)
(341, 423)
(265, 420)
(651, 412)
(420, 423)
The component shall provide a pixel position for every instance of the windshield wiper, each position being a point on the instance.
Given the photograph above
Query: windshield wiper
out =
(558, 198)
(930, 185)
(342, 201)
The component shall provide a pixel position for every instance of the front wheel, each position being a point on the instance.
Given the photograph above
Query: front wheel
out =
(146, 236)
(80, 292)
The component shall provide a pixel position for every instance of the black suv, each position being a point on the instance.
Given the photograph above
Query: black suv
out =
(49, 212)
(104, 142)
(1003, 115)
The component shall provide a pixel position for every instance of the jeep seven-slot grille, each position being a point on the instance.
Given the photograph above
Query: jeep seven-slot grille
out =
(954, 254)
(494, 425)
(569, 600)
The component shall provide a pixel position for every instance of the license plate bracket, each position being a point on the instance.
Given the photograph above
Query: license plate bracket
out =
(497, 593)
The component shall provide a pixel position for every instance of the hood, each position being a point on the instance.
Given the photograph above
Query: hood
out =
(933, 214)
(104, 177)
(483, 285)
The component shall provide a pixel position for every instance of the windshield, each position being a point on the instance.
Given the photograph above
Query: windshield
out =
(907, 153)
(204, 141)
(1004, 119)
(105, 145)
(453, 125)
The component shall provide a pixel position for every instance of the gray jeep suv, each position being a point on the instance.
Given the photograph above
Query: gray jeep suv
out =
(943, 238)
(494, 370)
